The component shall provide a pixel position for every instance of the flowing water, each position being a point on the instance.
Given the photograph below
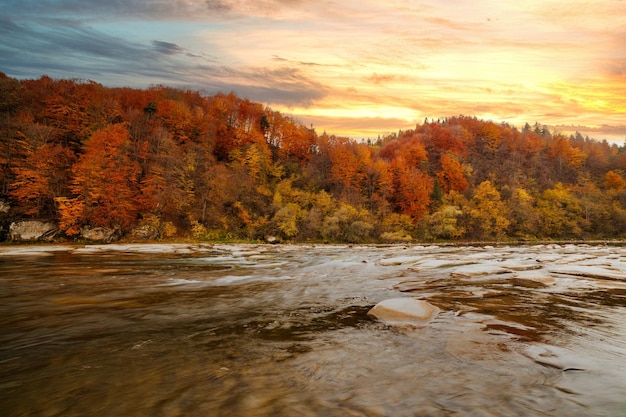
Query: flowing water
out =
(260, 330)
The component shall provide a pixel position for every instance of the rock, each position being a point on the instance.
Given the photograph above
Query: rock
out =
(145, 232)
(477, 270)
(404, 311)
(399, 260)
(98, 234)
(273, 240)
(33, 231)
(592, 272)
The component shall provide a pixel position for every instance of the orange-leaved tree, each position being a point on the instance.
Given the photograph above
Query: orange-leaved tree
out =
(614, 181)
(105, 184)
(452, 174)
(412, 189)
(40, 178)
(348, 159)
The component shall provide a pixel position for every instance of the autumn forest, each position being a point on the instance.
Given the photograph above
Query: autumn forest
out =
(165, 163)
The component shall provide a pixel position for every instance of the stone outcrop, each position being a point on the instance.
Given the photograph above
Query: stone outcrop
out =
(33, 231)
(145, 232)
(98, 234)
(404, 312)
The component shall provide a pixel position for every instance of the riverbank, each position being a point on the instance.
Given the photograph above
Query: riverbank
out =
(181, 243)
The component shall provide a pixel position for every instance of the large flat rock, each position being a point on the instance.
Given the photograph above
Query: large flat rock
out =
(404, 311)
(33, 231)
(593, 272)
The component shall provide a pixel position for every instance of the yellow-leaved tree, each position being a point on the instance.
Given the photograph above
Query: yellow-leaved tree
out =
(489, 217)
(560, 212)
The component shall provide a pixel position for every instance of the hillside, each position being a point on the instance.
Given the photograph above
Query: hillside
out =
(163, 163)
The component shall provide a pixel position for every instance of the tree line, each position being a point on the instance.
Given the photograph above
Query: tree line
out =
(164, 163)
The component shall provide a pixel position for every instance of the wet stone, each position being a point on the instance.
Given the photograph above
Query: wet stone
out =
(404, 312)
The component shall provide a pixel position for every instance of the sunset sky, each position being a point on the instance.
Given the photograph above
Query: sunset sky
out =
(357, 68)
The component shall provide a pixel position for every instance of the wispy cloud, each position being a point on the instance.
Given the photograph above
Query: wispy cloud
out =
(83, 52)
(344, 63)
(167, 48)
(126, 9)
(284, 86)
(163, 9)
(67, 46)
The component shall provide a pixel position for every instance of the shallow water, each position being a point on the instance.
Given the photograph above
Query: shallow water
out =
(259, 330)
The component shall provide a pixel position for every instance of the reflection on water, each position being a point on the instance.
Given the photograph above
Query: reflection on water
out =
(245, 330)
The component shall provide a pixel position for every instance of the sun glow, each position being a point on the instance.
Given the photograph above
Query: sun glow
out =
(381, 112)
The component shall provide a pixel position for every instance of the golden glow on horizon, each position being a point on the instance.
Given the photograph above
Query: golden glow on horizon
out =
(507, 63)
(597, 95)
(407, 116)
(369, 112)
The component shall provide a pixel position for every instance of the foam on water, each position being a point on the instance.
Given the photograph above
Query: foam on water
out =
(246, 279)
(33, 250)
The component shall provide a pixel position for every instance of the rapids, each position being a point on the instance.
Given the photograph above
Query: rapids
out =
(283, 330)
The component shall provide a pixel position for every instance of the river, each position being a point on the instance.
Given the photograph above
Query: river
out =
(283, 330)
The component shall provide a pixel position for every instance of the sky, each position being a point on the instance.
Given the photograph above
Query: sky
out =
(358, 68)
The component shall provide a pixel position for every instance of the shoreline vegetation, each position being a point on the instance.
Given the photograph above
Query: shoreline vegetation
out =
(98, 164)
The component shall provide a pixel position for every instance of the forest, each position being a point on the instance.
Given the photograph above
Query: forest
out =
(165, 163)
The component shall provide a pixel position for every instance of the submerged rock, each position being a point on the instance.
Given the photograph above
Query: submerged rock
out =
(404, 311)
(399, 260)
